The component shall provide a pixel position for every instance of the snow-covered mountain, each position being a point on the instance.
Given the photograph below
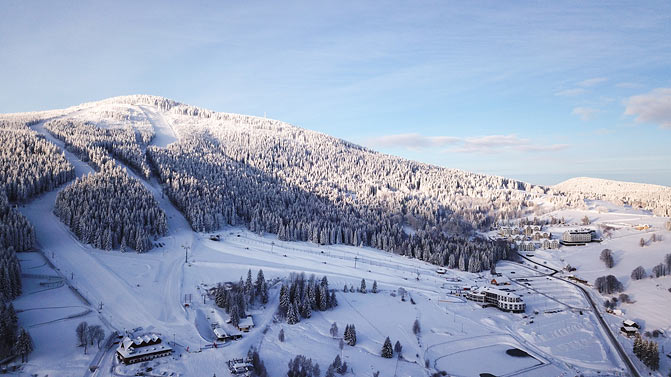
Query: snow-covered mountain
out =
(206, 197)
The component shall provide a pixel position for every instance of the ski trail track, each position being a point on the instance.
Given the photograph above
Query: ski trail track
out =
(123, 305)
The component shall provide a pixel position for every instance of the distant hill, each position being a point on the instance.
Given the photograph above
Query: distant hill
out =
(641, 195)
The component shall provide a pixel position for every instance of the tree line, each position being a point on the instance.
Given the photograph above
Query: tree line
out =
(235, 299)
(13, 339)
(647, 351)
(300, 297)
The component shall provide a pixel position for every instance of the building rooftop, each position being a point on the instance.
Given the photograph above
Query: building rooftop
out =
(246, 322)
(141, 345)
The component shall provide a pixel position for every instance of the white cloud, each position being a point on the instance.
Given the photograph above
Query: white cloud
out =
(581, 87)
(604, 131)
(481, 144)
(652, 107)
(413, 141)
(592, 82)
(585, 113)
(502, 143)
(570, 92)
(628, 85)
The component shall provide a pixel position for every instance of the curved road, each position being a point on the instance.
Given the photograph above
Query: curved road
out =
(604, 325)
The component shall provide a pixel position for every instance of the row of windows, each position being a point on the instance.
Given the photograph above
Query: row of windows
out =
(512, 306)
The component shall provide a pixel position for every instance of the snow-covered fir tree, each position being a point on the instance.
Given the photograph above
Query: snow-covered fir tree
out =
(387, 350)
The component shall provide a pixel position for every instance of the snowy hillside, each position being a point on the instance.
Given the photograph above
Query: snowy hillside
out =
(639, 195)
(207, 198)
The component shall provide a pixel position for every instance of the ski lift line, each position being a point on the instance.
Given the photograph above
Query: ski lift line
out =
(336, 256)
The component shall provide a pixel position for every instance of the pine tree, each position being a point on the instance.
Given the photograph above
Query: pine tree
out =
(350, 335)
(387, 350)
(260, 283)
(280, 336)
(292, 315)
(333, 301)
(323, 298)
(374, 289)
(637, 345)
(362, 289)
(284, 300)
(264, 293)
(249, 286)
(235, 315)
(24, 345)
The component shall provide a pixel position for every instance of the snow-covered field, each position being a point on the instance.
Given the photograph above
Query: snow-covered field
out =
(651, 298)
(559, 331)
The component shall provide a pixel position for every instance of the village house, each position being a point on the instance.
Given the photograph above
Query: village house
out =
(224, 336)
(246, 324)
(527, 246)
(628, 331)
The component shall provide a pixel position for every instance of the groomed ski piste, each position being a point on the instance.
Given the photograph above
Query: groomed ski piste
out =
(559, 333)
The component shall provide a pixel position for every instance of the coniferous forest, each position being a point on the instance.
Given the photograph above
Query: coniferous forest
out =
(30, 165)
(111, 210)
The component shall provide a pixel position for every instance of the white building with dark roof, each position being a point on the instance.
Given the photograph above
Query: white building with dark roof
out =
(142, 348)
(503, 300)
(578, 237)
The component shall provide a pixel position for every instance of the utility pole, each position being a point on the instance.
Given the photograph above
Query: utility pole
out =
(186, 253)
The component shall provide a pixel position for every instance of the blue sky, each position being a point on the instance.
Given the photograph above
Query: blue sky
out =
(539, 91)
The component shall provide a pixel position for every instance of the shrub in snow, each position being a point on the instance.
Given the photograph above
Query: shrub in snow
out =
(398, 348)
(415, 327)
(659, 270)
(608, 284)
(607, 258)
(638, 273)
